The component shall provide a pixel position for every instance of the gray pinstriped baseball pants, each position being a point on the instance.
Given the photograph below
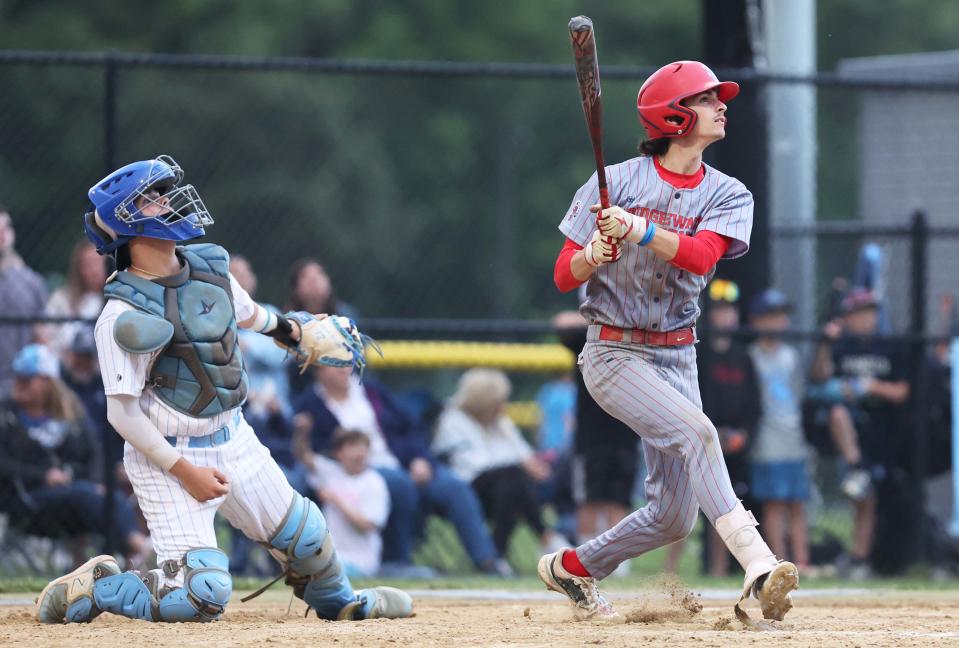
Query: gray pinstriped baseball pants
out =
(655, 390)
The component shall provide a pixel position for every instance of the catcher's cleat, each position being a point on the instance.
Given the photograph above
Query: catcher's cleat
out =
(69, 599)
(773, 590)
(587, 602)
(378, 603)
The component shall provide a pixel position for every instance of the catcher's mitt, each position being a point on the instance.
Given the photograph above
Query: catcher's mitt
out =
(333, 341)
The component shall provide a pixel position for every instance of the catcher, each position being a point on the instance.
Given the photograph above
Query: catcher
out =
(174, 381)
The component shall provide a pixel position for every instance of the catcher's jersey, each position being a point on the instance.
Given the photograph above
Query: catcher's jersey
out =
(126, 373)
(641, 290)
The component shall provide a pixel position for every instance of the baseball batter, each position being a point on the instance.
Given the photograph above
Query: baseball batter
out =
(175, 382)
(674, 218)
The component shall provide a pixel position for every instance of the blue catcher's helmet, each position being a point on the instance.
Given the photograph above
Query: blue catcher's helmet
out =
(114, 218)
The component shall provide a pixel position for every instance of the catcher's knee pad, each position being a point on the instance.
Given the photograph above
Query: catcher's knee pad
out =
(304, 545)
(207, 587)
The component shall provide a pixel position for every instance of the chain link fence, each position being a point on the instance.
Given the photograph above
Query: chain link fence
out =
(430, 192)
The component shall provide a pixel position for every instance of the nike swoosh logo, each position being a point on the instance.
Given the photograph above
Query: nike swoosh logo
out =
(681, 339)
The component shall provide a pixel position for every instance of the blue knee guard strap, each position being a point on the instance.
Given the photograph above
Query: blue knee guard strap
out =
(206, 590)
(312, 566)
(127, 595)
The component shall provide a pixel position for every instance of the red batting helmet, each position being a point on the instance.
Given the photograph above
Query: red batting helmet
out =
(662, 93)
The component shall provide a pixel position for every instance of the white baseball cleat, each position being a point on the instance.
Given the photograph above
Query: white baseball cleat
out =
(70, 598)
(588, 603)
(773, 590)
(378, 603)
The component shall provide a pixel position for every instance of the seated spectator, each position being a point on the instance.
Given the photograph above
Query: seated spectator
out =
(312, 291)
(399, 451)
(23, 293)
(50, 460)
(356, 502)
(486, 449)
(861, 388)
(778, 456)
(81, 296)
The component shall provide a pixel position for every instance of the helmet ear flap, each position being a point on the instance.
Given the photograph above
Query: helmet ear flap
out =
(98, 227)
(688, 117)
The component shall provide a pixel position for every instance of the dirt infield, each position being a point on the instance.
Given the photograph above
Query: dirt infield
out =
(653, 619)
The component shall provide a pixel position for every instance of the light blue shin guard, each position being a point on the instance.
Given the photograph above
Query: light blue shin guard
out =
(206, 590)
(312, 566)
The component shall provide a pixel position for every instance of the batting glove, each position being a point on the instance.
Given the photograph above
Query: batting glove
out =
(598, 251)
(618, 223)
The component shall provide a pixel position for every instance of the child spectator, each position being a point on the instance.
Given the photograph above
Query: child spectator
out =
(419, 485)
(778, 472)
(355, 500)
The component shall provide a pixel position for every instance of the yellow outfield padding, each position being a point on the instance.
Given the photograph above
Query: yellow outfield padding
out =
(400, 354)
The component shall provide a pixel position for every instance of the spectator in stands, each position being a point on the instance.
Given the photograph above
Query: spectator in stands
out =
(605, 450)
(266, 363)
(731, 400)
(779, 478)
(554, 445)
(81, 296)
(399, 451)
(312, 291)
(23, 293)
(861, 385)
(50, 460)
(81, 373)
(356, 502)
(485, 448)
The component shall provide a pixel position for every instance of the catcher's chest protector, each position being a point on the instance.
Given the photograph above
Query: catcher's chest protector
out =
(200, 371)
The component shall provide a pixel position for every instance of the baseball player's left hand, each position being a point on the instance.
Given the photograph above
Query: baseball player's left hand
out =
(332, 341)
(618, 223)
(599, 251)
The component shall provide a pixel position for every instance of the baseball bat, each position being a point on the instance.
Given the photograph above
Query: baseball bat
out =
(587, 76)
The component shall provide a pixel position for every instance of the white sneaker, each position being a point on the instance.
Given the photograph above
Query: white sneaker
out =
(587, 602)
(773, 590)
(69, 599)
(378, 603)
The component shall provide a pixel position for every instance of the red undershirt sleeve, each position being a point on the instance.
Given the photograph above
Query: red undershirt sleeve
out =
(700, 252)
(563, 271)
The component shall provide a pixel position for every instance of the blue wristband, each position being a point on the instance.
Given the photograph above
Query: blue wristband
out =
(648, 236)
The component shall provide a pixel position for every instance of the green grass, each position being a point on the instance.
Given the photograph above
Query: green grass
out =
(442, 550)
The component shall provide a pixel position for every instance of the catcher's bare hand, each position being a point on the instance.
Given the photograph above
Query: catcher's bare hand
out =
(203, 483)
(617, 223)
(598, 251)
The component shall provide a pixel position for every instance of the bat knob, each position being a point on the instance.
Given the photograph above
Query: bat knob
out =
(580, 23)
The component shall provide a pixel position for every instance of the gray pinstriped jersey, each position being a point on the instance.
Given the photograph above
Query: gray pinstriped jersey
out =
(641, 290)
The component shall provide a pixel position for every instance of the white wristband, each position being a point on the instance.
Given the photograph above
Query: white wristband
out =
(265, 320)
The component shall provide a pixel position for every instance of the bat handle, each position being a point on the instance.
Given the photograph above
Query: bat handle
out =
(604, 203)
